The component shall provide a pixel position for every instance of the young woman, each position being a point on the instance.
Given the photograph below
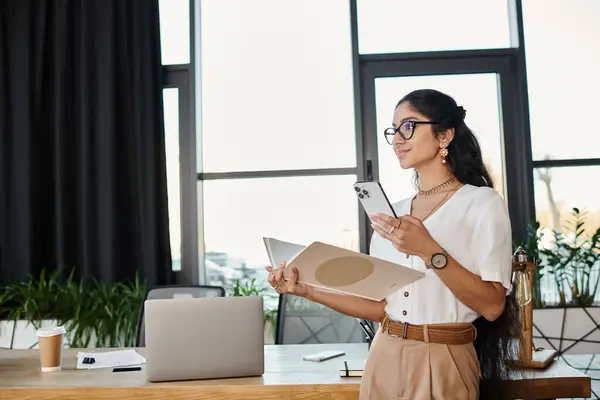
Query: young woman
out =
(455, 327)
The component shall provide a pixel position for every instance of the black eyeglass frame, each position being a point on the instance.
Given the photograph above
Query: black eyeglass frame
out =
(392, 131)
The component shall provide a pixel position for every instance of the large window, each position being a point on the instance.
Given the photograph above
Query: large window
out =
(563, 59)
(278, 151)
(275, 124)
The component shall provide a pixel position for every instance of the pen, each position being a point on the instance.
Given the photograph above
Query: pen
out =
(126, 369)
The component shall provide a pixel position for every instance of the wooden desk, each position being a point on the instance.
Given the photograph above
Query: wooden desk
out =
(286, 376)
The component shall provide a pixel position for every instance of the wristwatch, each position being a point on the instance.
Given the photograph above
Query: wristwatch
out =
(438, 260)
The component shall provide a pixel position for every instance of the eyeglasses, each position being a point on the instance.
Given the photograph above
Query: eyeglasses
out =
(406, 130)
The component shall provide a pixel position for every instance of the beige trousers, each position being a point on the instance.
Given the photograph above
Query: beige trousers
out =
(397, 368)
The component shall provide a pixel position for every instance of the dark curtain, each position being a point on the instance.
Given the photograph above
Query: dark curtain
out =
(82, 169)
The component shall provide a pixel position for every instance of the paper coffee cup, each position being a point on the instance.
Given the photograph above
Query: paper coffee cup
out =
(51, 342)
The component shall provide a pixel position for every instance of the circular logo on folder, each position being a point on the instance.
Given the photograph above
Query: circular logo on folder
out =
(343, 271)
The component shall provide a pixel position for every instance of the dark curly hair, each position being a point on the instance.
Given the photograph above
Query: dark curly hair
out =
(497, 341)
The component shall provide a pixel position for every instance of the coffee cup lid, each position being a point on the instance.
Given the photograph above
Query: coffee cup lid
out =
(45, 332)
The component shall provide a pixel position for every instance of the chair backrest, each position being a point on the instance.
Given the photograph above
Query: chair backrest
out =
(300, 321)
(174, 292)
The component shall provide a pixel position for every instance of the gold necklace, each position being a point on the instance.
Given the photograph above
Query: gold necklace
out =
(435, 189)
(441, 201)
(436, 206)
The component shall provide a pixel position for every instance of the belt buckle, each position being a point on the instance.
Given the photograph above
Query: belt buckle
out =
(387, 329)
(404, 330)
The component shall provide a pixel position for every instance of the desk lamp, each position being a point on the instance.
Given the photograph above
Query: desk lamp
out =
(522, 278)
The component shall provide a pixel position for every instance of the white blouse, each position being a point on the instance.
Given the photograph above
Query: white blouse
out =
(473, 226)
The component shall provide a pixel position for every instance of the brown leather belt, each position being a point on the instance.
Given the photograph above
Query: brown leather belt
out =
(437, 333)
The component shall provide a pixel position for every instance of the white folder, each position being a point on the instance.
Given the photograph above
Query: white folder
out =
(340, 270)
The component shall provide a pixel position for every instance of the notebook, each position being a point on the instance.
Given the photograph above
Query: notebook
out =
(109, 359)
(351, 369)
(340, 270)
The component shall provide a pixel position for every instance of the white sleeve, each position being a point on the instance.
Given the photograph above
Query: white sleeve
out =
(492, 241)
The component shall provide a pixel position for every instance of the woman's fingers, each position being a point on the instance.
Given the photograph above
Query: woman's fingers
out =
(382, 232)
(292, 283)
(396, 242)
(271, 276)
(386, 222)
(278, 275)
(277, 281)
(411, 221)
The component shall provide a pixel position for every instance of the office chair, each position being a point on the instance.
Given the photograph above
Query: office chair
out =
(174, 292)
(300, 321)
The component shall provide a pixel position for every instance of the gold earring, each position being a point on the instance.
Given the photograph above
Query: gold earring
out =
(444, 153)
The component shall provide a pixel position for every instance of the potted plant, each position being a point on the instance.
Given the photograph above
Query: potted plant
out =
(571, 259)
(250, 287)
(94, 314)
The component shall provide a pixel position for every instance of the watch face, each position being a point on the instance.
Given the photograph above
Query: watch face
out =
(439, 260)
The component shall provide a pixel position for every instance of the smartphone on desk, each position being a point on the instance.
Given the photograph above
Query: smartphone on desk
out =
(373, 199)
(323, 355)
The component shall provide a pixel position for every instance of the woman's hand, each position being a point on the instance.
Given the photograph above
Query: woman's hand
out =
(407, 234)
(291, 286)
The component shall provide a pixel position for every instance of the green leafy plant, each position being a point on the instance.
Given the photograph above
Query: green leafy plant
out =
(573, 259)
(90, 310)
(250, 287)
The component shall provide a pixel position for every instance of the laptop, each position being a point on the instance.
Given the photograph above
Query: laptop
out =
(204, 338)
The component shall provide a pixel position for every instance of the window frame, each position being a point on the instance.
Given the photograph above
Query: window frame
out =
(500, 62)
(182, 77)
(509, 63)
(520, 166)
(178, 76)
(205, 176)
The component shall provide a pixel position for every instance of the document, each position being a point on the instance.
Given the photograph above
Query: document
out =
(109, 359)
(340, 270)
